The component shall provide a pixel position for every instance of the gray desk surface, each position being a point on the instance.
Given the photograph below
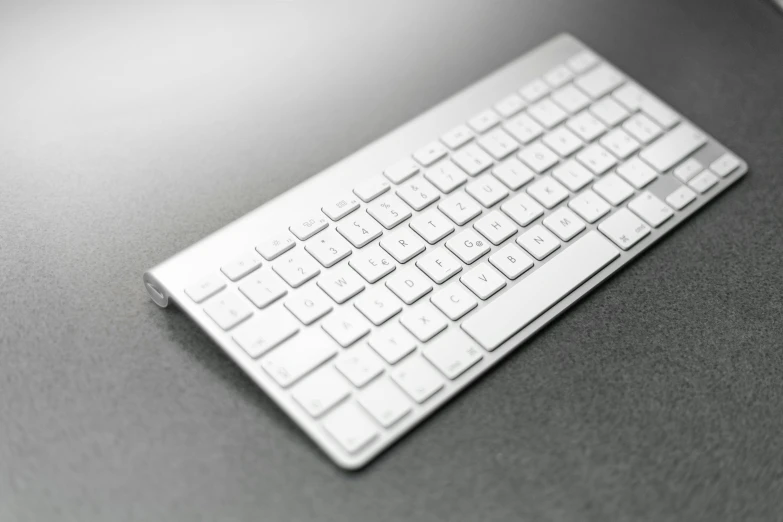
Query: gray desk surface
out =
(128, 133)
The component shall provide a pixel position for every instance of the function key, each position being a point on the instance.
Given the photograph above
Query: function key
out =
(205, 288)
(558, 76)
(308, 227)
(372, 188)
(457, 137)
(241, 266)
(484, 120)
(340, 208)
(430, 153)
(534, 90)
(582, 61)
(510, 105)
(401, 170)
(275, 246)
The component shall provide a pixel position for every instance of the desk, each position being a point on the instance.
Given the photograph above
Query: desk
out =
(128, 133)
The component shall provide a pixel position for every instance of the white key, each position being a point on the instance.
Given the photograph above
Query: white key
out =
(403, 244)
(484, 120)
(460, 208)
(241, 266)
(681, 198)
(487, 190)
(511, 260)
(430, 153)
(674, 147)
(454, 300)
(206, 287)
(538, 157)
(228, 309)
(446, 176)
(328, 248)
(341, 283)
(523, 209)
(372, 264)
(609, 111)
(637, 173)
(523, 128)
(613, 189)
(725, 165)
(558, 76)
(510, 105)
(548, 192)
(372, 188)
(401, 170)
(582, 61)
(599, 81)
(619, 143)
(498, 143)
(308, 227)
(586, 126)
(472, 159)
(513, 173)
(496, 227)
(321, 391)
(563, 141)
(642, 128)
(346, 326)
(409, 284)
(378, 304)
(564, 223)
(424, 321)
(468, 245)
(275, 247)
(539, 242)
(265, 331)
(360, 229)
(687, 169)
(359, 365)
(386, 402)
(596, 158)
(389, 211)
(418, 193)
(534, 90)
(340, 208)
(296, 268)
(432, 226)
(263, 288)
(439, 265)
(299, 356)
(703, 182)
(573, 175)
(624, 228)
(590, 206)
(492, 325)
(309, 304)
(453, 353)
(483, 280)
(418, 379)
(651, 209)
(547, 113)
(635, 98)
(457, 137)
(571, 99)
(351, 427)
(393, 342)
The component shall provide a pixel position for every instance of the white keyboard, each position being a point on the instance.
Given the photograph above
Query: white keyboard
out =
(365, 298)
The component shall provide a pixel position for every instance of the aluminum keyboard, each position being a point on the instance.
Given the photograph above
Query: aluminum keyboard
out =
(366, 297)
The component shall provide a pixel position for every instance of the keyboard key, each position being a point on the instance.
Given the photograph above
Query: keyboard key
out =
(389, 211)
(373, 263)
(637, 173)
(548, 192)
(513, 173)
(468, 246)
(308, 227)
(563, 141)
(538, 157)
(510, 105)
(558, 76)
(360, 229)
(432, 226)
(651, 209)
(484, 120)
(571, 99)
(539, 242)
(275, 247)
(624, 228)
(263, 288)
(573, 175)
(241, 266)
(372, 188)
(586, 126)
(498, 143)
(359, 365)
(430, 153)
(460, 208)
(403, 244)
(599, 81)
(328, 248)
(535, 294)
(378, 305)
(457, 137)
(453, 353)
(446, 176)
(564, 223)
(534, 90)
(582, 61)
(309, 304)
(547, 113)
(386, 402)
(725, 165)
(687, 170)
(393, 342)
(590, 206)
(409, 284)
(511, 260)
(619, 143)
(439, 265)
(454, 300)
(418, 379)
(300, 355)
(401, 170)
(642, 128)
(496, 227)
(418, 193)
(340, 208)
(472, 159)
(674, 147)
(207, 287)
(596, 158)
(523, 209)
(321, 391)
(296, 268)
(681, 198)
(424, 321)
(483, 280)
(487, 190)
(265, 331)
(635, 98)
(351, 427)
(613, 189)
(346, 326)
(523, 128)
(703, 182)
(341, 283)
(228, 309)
(609, 111)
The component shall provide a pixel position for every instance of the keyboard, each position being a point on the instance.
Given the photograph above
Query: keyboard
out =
(366, 297)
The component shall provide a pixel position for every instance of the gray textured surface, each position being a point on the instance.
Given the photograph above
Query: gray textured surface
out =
(126, 134)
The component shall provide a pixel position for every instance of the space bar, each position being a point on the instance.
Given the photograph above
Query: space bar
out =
(540, 291)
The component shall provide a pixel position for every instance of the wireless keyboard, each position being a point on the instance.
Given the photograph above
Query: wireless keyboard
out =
(366, 297)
